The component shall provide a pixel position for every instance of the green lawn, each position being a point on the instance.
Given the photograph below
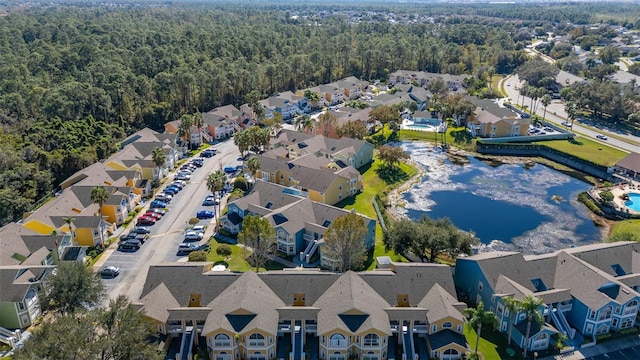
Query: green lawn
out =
(626, 226)
(362, 203)
(488, 349)
(456, 136)
(236, 261)
(586, 149)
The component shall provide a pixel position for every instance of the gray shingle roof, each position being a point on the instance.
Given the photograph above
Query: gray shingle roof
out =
(446, 337)
(350, 295)
(247, 295)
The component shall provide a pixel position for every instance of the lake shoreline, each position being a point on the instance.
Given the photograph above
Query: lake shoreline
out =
(396, 200)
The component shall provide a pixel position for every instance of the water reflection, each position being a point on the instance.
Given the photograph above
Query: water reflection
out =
(508, 206)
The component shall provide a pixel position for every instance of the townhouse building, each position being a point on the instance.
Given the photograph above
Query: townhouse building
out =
(26, 258)
(493, 120)
(299, 222)
(586, 291)
(297, 314)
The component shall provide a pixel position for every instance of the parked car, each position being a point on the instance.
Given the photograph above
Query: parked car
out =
(177, 184)
(138, 239)
(197, 162)
(601, 137)
(183, 177)
(170, 190)
(208, 153)
(136, 242)
(180, 183)
(164, 197)
(158, 211)
(158, 204)
(146, 220)
(208, 201)
(229, 169)
(205, 214)
(153, 215)
(124, 237)
(187, 248)
(193, 236)
(109, 271)
(128, 247)
(198, 228)
(142, 229)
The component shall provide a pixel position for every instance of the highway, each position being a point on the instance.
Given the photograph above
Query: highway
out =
(169, 231)
(556, 114)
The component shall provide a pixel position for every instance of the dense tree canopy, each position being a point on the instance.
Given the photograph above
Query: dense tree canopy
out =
(74, 80)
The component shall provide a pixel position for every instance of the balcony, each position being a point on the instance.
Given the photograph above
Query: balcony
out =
(630, 310)
(224, 357)
(284, 328)
(420, 328)
(257, 343)
(222, 343)
(308, 237)
(338, 343)
(175, 328)
(311, 328)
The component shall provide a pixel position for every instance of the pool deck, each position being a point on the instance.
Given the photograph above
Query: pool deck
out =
(411, 125)
(619, 190)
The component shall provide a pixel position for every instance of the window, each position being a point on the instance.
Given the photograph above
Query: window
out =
(480, 285)
(626, 323)
(371, 340)
(337, 340)
(614, 322)
(447, 325)
(434, 328)
(589, 328)
(21, 305)
(605, 313)
(160, 328)
(222, 340)
(256, 339)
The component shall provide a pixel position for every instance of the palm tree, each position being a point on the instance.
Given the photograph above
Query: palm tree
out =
(478, 318)
(54, 235)
(546, 100)
(513, 305)
(253, 164)
(303, 122)
(531, 306)
(184, 130)
(326, 121)
(99, 195)
(69, 220)
(215, 183)
(159, 158)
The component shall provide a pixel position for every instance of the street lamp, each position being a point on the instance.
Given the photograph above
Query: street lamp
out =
(535, 355)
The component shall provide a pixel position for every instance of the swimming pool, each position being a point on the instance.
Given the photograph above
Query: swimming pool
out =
(634, 202)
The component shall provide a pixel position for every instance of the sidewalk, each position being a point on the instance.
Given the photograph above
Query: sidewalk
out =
(605, 348)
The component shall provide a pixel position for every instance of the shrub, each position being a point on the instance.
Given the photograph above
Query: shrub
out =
(198, 256)
(240, 183)
(224, 250)
(586, 200)
(194, 221)
(606, 196)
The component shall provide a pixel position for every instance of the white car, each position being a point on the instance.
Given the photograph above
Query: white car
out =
(198, 229)
(601, 137)
(193, 236)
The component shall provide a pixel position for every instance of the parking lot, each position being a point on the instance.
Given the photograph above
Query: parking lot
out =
(169, 232)
(632, 353)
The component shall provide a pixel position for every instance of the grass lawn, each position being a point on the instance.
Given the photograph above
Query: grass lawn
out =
(456, 136)
(626, 226)
(236, 261)
(586, 149)
(492, 344)
(362, 203)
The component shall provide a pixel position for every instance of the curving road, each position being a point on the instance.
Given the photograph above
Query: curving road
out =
(168, 232)
(556, 114)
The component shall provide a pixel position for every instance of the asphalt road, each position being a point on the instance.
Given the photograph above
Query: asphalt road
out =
(168, 232)
(632, 353)
(556, 114)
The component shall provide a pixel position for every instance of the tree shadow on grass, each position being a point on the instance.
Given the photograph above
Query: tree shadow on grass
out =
(461, 136)
(391, 174)
(575, 142)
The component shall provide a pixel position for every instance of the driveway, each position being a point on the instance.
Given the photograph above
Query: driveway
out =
(168, 232)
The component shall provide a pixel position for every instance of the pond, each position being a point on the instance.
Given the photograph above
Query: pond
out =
(533, 209)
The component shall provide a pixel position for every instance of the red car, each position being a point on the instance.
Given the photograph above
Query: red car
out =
(146, 220)
(153, 215)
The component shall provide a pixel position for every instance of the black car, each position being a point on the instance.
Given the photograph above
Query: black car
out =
(109, 271)
(128, 247)
(137, 242)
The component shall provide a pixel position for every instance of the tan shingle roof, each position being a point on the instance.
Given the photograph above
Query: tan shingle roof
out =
(350, 295)
(440, 304)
